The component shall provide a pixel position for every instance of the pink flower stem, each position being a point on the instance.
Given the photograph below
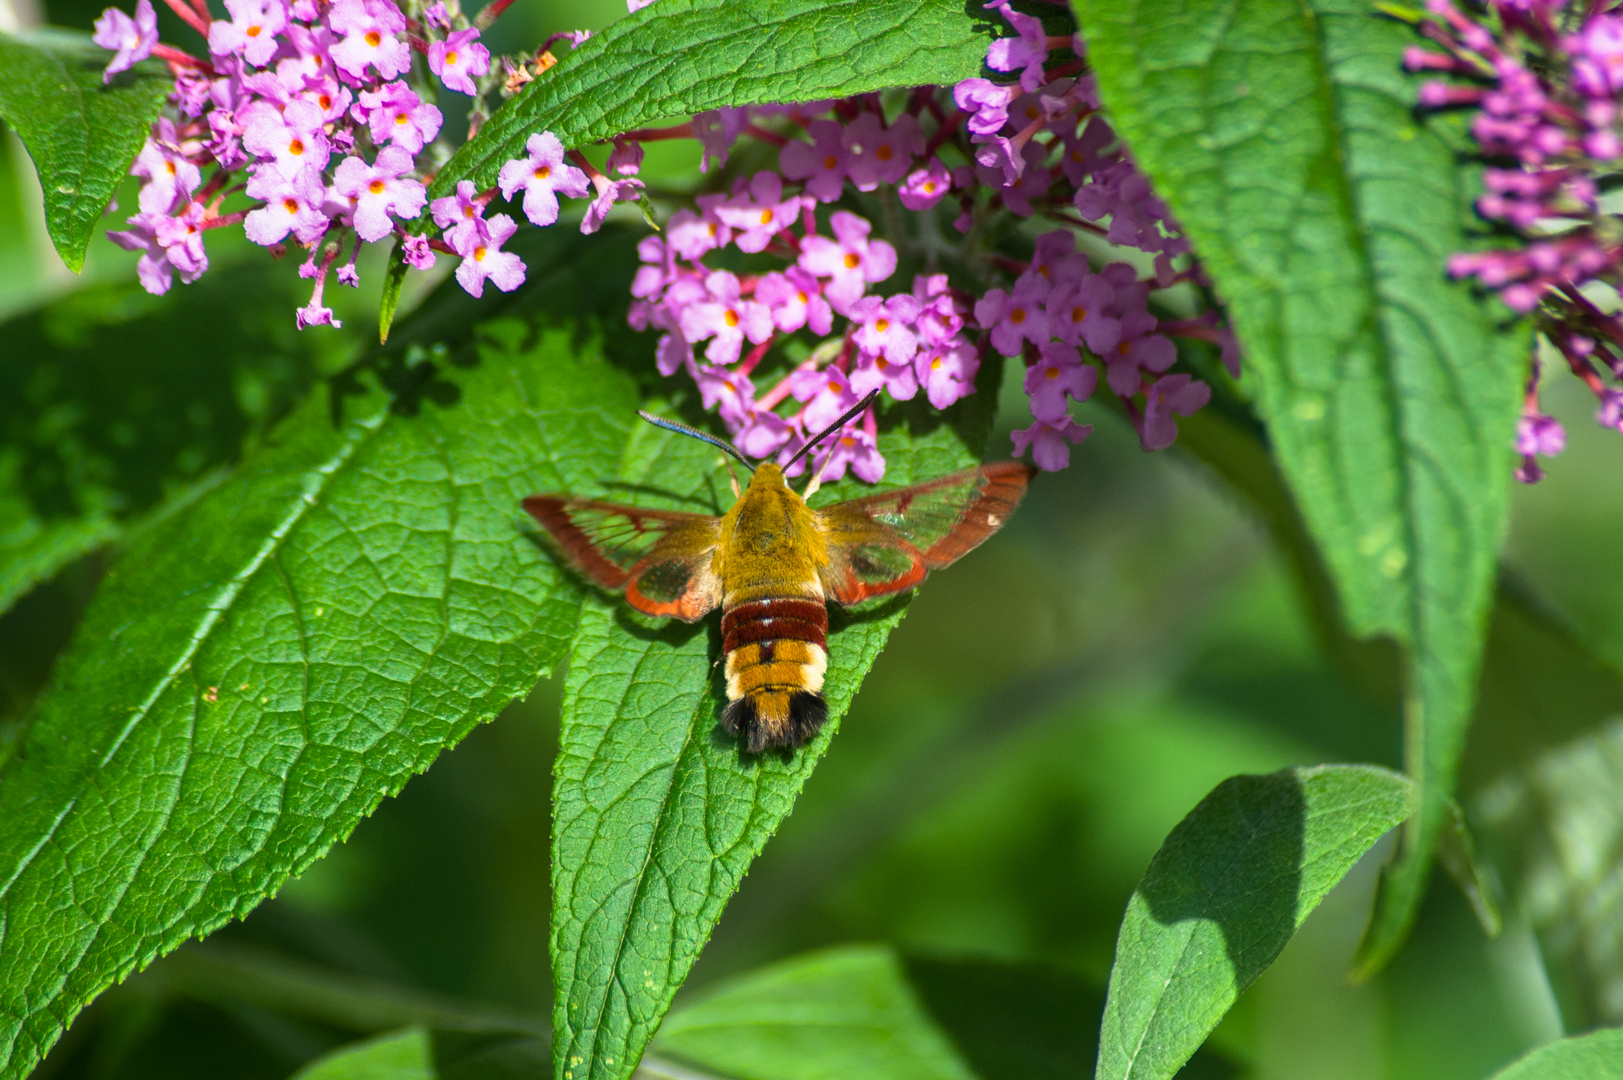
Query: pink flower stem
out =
(1596, 317)
(771, 398)
(1070, 67)
(417, 44)
(189, 14)
(761, 134)
(491, 13)
(1077, 222)
(221, 222)
(588, 168)
(755, 356)
(177, 58)
(944, 132)
(675, 131)
(546, 46)
(442, 247)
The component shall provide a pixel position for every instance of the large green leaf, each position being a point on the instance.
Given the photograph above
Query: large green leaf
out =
(1284, 137)
(81, 134)
(686, 56)
(407, 1054)
(1224, 895)
(844, 1012)
(263, 667)
(657, 816)
(1596, 1056)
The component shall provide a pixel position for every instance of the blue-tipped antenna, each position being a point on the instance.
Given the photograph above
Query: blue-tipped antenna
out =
(695, 433)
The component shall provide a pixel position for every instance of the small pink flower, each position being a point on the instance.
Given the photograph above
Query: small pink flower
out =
(369, 29)
(1540, 434)
(924, 187)
(609, 192)
(251, 32)
(1610, 414)
(875, 154)
(487, 260)
(796, 299)
(851, 261)
(762, 433)
(1173, 394)
(417, 252)
(857, 450)
(395, 114)
(625, 158)
(166, 244)
(725, 318)
(458, 60)
(462, 217)
(1138, 351)
(380, 190)
(947, 371)
(940, 317)
(290, 206)
(986, 102)
(760, 214)
(1025, 53)
(1015, 317)
(292, 139)
(821, 162)
(693, 235)
(170, 176)
(1058, 375)
(544, 175)
(716, 130)
(131, 39)
(730, 393)
(1048, 442)
(1079, 312)
(885, 329)
(826, 393)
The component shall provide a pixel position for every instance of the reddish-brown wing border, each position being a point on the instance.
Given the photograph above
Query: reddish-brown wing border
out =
(993, 492)
(618, 569)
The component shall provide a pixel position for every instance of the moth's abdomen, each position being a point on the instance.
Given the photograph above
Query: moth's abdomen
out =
(776, 658)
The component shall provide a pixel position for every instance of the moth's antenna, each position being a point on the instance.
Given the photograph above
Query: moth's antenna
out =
(854, 411)
(702, 436)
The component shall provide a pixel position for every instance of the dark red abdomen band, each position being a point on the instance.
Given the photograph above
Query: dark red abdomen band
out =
(775, 620)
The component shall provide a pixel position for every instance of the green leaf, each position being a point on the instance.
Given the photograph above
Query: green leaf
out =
(259, 670)
(656, 814)
(1223, 896)
(399, 1055)
(843, 1012)
(119, 403)
(394, 282)
(1596, 1056)
(687, 56)
(1284, 137)
(81, 134)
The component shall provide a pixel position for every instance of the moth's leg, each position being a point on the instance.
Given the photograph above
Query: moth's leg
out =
(732, 478)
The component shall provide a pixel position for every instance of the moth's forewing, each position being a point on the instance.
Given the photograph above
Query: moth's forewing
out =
(661, 558)
(884, 543)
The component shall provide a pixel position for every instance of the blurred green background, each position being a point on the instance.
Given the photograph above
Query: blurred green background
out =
(1047, 711)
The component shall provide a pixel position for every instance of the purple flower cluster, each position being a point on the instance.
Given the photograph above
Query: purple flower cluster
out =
(1548, 84)
(982, 153)
(314, 111)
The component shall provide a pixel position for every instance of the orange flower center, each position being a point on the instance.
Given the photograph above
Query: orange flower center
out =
(467, 212)
(325, 101)
(543, 172)
(852, 262)
(450, 58)
(1017, 316)
(373, 38)
(712, 228)
(935, 365)
(1124, 348)
(296, 147)
(847, 441)
(929, 187)
(766, 217)
(170, 165)
(884, 153)
(1051, 373)
(732, 317)
(401, 118)
(479, 254)
(804, 299)
(830, 161)
(290, 206)
(375, 187)
(834, 388)
(253, 31)
(1032, 112)
(1078, 314)
(882, 325)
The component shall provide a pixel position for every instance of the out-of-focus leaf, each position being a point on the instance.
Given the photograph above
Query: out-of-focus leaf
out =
(114, 404)
(81, 134)
(400, 1055)
(843, 1012)
(259, 670)
(658, 815)
(687, 56)
(1224, 895)
(1284, 137)
(1596, 1056)
(1556, 827)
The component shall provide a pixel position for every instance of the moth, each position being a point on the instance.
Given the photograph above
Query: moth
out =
(772, 564)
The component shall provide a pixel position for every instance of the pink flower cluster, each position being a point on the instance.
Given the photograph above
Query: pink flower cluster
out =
(1548, 84)
(981, 153)
(308, 108)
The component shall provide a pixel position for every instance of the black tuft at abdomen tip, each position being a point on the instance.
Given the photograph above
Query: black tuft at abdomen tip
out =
(805, 716)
